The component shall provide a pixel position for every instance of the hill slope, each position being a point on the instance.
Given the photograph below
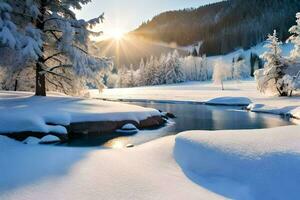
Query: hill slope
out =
(223, 26)
(131, 49)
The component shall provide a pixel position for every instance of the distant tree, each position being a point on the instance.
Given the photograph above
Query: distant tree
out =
(131, 81)
(240, 69)
(47, 37)
(174, 73)
(255, 63)
(221, 72)
(141, 74)
(194, 53)
(122, 77)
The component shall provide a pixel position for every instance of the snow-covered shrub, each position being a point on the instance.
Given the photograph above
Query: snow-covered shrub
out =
(222, 71)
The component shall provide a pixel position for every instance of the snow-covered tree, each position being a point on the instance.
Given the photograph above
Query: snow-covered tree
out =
(174, 73)
(49, 38)
(122, 77)
(196, 68)
(295, 39)
(131, 80)
(141, 73)
(269, 77)
(222, 71)
(240, 69)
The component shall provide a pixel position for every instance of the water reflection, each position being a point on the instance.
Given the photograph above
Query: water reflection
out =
(189, 117)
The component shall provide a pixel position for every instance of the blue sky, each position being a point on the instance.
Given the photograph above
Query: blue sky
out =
(126, 15)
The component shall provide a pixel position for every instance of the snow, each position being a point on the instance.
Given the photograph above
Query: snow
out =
(287, 110)
(129, 127)
(20, 111)
(264, 163)
(258, 49)
(32, 140)
(240, 164)
(50, 139)
(50, 172)
(229, 101)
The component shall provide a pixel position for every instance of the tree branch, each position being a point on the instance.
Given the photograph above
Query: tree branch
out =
(59, 66)
(51, 30)
(52, 56)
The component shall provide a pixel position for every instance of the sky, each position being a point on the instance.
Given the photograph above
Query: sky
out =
(125, 15)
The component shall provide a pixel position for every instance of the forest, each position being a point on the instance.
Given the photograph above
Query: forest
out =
(224, 26)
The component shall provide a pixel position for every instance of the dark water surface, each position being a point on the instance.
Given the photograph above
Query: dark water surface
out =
(189, 117)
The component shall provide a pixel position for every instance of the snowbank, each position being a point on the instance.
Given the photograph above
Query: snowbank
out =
(144, 172)
(265, 163)
(22, 112)
(240, 101)
(293, 111)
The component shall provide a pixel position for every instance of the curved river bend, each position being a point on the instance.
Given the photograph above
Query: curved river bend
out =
(189, 117)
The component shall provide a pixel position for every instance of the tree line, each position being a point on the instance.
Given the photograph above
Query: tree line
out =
(224, 26)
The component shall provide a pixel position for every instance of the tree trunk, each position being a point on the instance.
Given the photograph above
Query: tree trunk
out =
(16, 85)
(40, 84)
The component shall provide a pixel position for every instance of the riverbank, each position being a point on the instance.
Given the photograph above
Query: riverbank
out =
(23, 115)
(235, 93)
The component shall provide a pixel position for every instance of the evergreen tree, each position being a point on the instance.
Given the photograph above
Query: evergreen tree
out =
(48, 37)
(141, 74)
(274, 67)
(295, 39)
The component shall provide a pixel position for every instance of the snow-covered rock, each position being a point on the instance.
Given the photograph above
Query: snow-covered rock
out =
(32, 140)
(265, 162)
(128, 127)
(229, 101)
(49, 139)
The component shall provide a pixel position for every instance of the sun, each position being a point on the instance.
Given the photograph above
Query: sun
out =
(117, 34)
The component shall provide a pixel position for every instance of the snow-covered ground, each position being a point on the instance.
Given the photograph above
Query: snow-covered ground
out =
(21, 111)
(249, 164)
(242, 92)
(243, 164)
(48, 172)
(258, 50)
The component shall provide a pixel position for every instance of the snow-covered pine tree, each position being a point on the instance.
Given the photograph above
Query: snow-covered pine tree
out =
(141, 73)
(157, 71)
(174, 73)
(48, 36)
(122, 77)
(131, 82)
(295, 39)
(274, 67)
(178, 67)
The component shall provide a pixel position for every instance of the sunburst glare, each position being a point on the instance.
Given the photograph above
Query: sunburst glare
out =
(117, 34)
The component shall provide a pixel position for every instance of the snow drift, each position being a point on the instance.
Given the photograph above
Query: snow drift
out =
(264, 163)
